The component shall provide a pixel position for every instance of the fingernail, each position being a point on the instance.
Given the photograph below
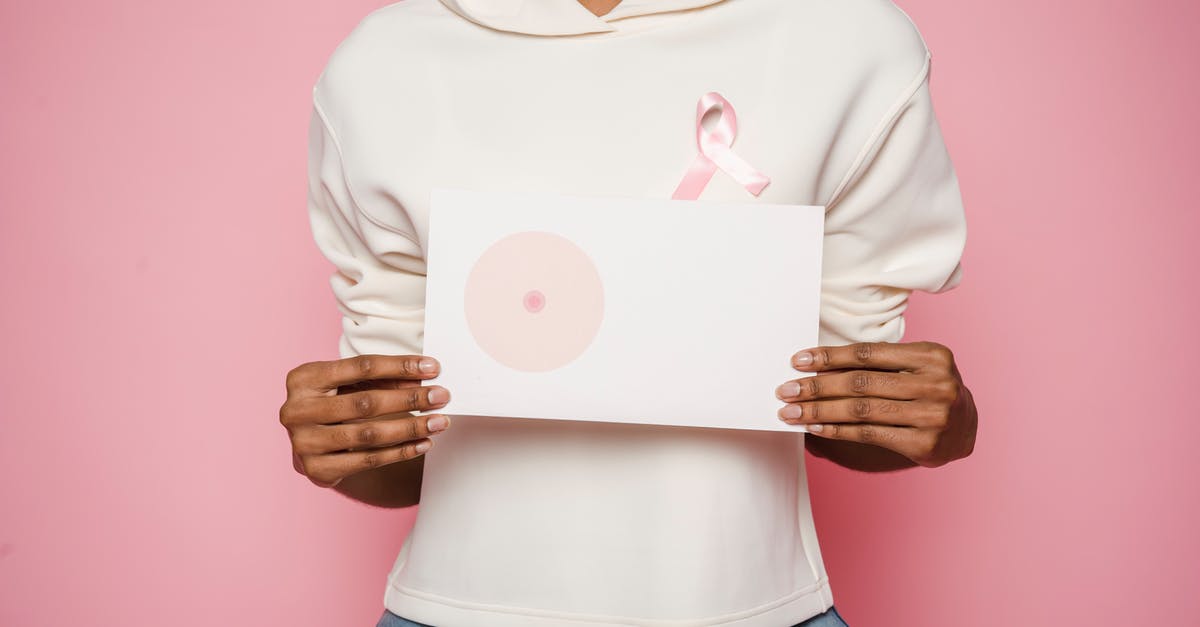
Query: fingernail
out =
(791, 411)
(427, 365)
(788, 390)
(814, 428)
(423, 446)
(438, 396)
(803, 358)
(437, 423)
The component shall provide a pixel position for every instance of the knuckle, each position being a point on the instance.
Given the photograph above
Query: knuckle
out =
(295, 412)
(316, 473)
(364, 405)
(408, 366)
(860, 382)
(888, 407)
(365, 365)
(868, 434)
(929, 441)
(371, 460)
(860, 408)
(416, 397)
(825, 357)
(403, 430)
(286, 414)
(947, 391)
(954, 393)
(941, 415)
(302, 465)
(936, 390)
(925, 455)
(413, 427)
(941, 354)
(302, 443)
(862, 352)
(323, 478)
(328, 371)
(293, 378)
(884, 436)
(813, 387)
(411, 450)
(367, 436)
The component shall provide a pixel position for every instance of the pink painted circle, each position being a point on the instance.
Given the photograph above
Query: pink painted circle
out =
(534, 301)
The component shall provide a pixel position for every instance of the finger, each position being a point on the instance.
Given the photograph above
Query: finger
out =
(321, 377)
(909, 442)
(329, 469)
(365, 404)
(880, 411)
(378, 384)
(909, 356)
(322, 439)
(881, 383)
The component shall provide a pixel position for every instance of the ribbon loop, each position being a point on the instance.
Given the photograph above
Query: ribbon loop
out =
(716, 152)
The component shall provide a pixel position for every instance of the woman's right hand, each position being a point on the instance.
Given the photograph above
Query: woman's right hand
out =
(350, 415)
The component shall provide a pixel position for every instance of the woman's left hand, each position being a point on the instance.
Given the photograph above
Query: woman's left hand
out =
(906, 397)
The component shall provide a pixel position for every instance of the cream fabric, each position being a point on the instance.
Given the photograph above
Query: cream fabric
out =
(528, 522)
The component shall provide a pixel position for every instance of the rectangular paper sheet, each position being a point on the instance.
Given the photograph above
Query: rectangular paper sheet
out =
(655, 311)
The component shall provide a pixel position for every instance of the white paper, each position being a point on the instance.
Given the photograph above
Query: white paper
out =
(656, 311)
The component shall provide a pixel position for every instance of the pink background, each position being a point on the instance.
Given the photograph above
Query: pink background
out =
(160, 279)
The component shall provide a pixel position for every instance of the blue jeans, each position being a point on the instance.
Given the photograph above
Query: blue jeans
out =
(830, 618)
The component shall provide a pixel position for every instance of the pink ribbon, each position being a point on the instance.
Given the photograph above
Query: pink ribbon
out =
(715, 153)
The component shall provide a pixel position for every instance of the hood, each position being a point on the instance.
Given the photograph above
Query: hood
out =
(559, 17)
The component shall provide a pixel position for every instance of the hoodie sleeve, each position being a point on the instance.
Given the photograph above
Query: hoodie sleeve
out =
(379, 279)
(894, 225)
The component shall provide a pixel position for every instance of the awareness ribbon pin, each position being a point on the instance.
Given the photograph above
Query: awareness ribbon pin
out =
(715, 152)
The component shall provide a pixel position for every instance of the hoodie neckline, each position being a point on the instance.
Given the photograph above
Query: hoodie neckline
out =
(560, 17)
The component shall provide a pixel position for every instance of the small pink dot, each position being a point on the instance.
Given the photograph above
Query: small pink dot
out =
(534, 301)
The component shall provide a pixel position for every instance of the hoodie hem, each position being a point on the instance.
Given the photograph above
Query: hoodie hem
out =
(432, 609)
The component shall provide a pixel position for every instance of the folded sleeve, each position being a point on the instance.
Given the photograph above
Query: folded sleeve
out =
(895, 224)
(379, 272)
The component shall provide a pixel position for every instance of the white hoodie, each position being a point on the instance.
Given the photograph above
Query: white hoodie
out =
(549, 522)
